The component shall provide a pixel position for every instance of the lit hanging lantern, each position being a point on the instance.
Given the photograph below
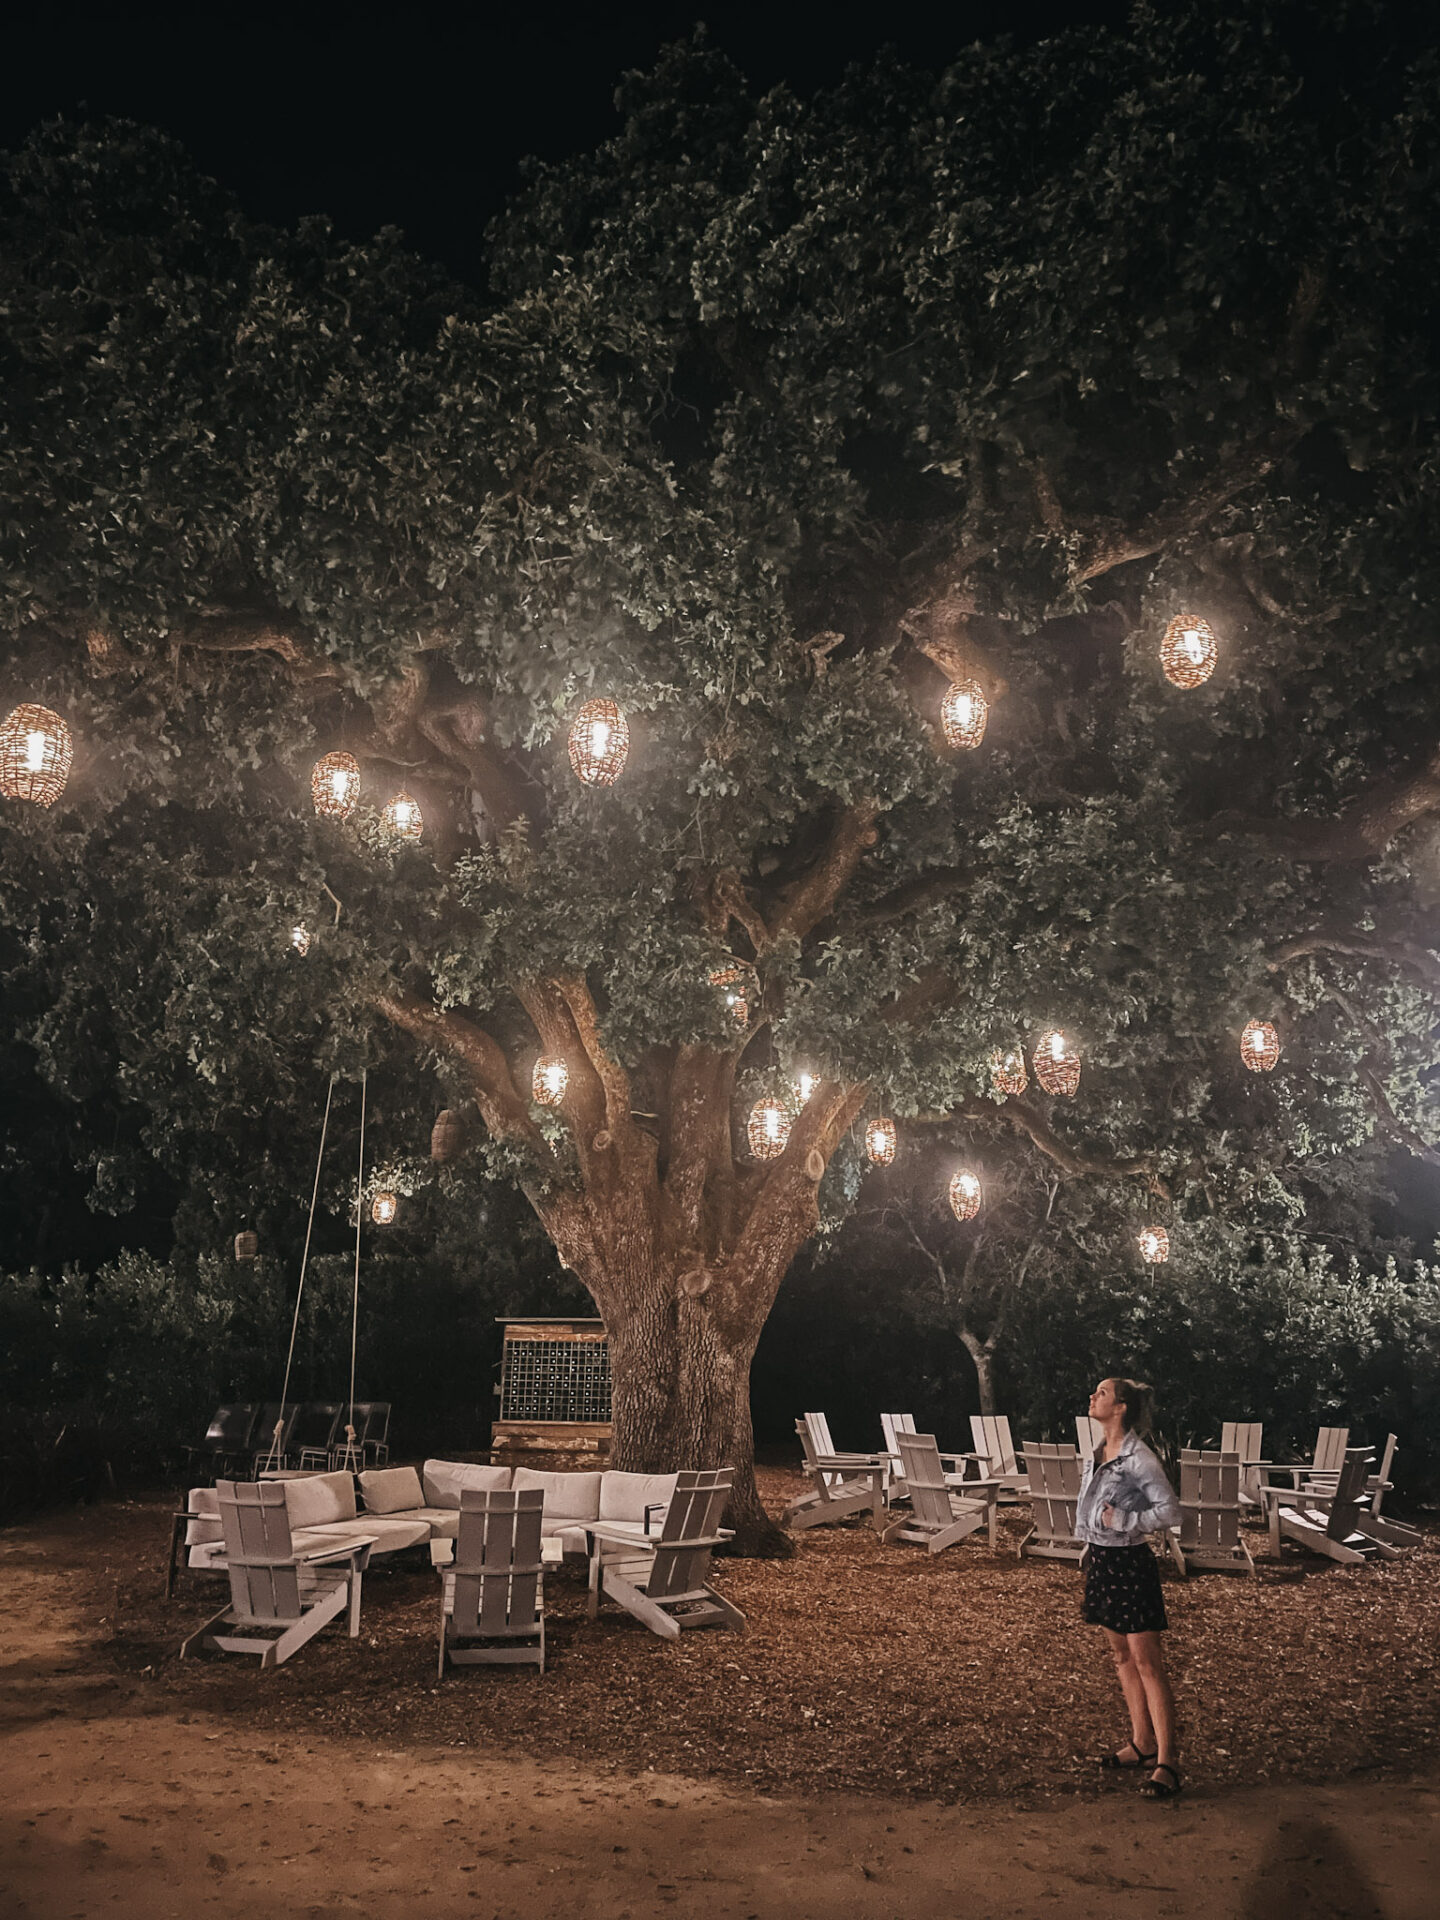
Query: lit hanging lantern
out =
(599, 743)
(247, 1246)
(549, 1080)
(300, 939)
(1057, 1064)
(1259, 1046)
(383, 1209)
(880, 1141)
(35, 755)
(965, 1194)
(731, 982)
(769, 1129)
(402, 817)
(1154, 1246)
(335, 785)
(964, 714)
(1189, 651)
(1007, 1071)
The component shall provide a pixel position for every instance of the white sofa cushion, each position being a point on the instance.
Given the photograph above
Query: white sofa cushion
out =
(319, 1499)
(391, 1489)
(568, 1496)
(625, 1496)
(204, 1532)
(390, 1533)
(443, 1480)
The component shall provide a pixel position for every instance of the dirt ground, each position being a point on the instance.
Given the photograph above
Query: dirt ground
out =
(892, 1738)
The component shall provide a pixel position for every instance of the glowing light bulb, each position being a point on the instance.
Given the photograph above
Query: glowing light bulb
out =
(34, 752)
(1194, 646)
(300, 939)
(774, 1124)
(806, 1084)
(600, 739)
(1057, 1046)
(340, 780)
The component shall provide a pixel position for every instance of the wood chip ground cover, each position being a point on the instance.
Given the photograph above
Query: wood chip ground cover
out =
(864, 1668)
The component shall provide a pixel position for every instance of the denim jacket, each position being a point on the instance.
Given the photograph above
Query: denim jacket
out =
(1134, 1485)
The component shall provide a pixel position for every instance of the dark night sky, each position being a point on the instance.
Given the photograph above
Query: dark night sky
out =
(418, 117)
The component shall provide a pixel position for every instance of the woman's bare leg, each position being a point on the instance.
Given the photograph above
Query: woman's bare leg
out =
(1142, 1732)
(1147, 1662)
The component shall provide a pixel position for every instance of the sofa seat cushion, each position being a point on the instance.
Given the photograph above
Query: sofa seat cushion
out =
(391, 1534)
(442, 1481)
(391, 1490)
(568, 1496)
(207, 1556)
(625, 1496)
(205, 1531)
(319, 1499)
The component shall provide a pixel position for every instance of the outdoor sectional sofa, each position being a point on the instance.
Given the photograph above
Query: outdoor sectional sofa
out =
(405, 1508)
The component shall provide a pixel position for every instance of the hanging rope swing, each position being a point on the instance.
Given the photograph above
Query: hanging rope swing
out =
(350, 1458)
(276, 1456)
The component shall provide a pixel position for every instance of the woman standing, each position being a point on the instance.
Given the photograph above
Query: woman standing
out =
(1123, 1496)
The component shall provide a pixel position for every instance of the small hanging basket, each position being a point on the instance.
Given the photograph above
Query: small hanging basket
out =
(966, 1194)
(1056, 1063)
(1007, 1071)
(247, 1246)
(1259, 1046)
(732, 982)
(35, 755)
(402, 818)
(599, 743)
(880, 1141)
(335, 785)
(549, 1080)
(383, 1209)
(768, 1129)
(447, 1137)
(1154, 1246)
(964, 714)
(1189, 651)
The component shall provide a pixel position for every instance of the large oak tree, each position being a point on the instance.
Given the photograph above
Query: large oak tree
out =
(777, 417)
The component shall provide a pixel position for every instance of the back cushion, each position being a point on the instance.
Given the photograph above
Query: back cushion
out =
(391, 1489)
(443, 1480)
(319, 1499)
(568, 1496)
(625, 1496)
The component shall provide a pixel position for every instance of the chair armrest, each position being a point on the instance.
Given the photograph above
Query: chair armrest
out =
(322, 1554)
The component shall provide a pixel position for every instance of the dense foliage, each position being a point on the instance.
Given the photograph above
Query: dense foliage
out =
(777, 416)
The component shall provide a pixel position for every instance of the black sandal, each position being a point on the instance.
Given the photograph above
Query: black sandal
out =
(1112, 1763)
(1161, 1789)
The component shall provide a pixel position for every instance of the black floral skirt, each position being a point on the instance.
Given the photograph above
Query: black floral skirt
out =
(1122, 1590)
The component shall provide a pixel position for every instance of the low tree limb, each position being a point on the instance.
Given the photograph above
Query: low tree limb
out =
(1390, 1122)
(1359, 946)
(806, 901)
(505, 1113)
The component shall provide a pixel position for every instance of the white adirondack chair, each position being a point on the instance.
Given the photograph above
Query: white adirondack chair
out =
(1397, 1532)
(938, 1516)
(1089, 1434)
(662, 1578)
(492, 1600)
(840, 1484)
(1053, 1477)
(1243, 1438)
(991, 1435)
(1209, 1530)
(279, 1599)
(1322, 1471)
(1337, 1524)
(895, 1424)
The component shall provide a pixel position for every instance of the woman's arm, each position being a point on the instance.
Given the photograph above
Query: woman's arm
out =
(1161, 1508)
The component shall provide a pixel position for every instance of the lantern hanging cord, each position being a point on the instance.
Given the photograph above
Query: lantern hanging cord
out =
(272, 1459)
(355, 1298)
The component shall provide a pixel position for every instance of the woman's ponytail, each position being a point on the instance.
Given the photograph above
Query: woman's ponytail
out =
(1138, 1401)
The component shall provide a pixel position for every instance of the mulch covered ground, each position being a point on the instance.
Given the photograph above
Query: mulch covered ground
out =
(865, 1668)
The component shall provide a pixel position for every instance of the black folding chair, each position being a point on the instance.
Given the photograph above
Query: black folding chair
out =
(313, 1435)
(228, 1438)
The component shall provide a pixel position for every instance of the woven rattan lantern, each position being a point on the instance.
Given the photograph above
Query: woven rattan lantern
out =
(599, 743)
(965, 1194)
(1154, 1246)
(35, 755)
(335, 785)
(1259, 1046)
(1057, 1064)
(247, 1246)
(768, 1131)
(1007, 1071)
(964, 714)
(880, 1141)
(383, 1209)
(731, 982)
(549, 1080)
(1189, 651)
(402, 817)
(447, 1137)
(300, 939)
